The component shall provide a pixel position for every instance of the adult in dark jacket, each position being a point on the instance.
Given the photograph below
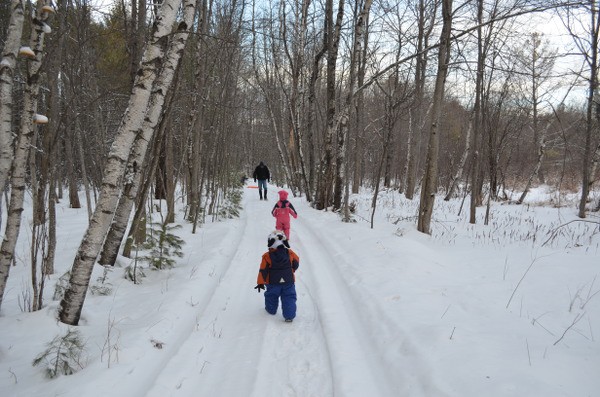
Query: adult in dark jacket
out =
(276, 272)
(262, 175)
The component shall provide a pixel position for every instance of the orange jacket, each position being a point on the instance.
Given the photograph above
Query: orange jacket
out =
(287, 273)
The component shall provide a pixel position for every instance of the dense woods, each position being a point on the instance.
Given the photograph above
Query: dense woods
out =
(178, 100)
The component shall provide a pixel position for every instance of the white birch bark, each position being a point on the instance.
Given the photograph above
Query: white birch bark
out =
(72, 302)
(138, 155)
(7, 69)
(26, 131)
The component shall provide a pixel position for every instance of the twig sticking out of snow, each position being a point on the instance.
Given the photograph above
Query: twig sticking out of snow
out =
(575, 321)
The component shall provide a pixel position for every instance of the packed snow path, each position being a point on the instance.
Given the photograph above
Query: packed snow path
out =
(237, 347)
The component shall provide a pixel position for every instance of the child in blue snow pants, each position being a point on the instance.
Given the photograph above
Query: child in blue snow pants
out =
(277, 272)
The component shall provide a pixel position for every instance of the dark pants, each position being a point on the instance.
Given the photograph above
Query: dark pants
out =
(287, 293)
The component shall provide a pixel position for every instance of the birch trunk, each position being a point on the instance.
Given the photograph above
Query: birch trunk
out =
(26, 132)
(72, 302)
(138, 156)
(7, 70)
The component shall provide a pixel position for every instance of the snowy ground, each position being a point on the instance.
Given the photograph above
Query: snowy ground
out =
(508, 309)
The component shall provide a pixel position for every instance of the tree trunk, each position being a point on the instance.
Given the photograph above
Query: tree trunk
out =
(591, 106)
(429, 187)
(325, 177)
(72, 302)
(26, 133)
(477, 124)
(194, 127)
(139, 160)
(8, 63)
(415, 131)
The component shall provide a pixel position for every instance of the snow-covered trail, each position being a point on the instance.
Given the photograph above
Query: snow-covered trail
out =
(349, 350)
(238, 346)
(374, 343)
(329, 350)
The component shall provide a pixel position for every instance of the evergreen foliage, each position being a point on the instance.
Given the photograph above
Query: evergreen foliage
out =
(232, 204)
(134, 273)
(63, 355)
(162, 245)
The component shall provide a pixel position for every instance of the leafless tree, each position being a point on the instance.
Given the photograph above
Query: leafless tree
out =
(115, 171)
(29, 121)
(588, 47)
(429, 186)
(325, 176)
(7, 71)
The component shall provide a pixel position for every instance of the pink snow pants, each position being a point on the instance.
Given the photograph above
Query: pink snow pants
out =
(283, 225)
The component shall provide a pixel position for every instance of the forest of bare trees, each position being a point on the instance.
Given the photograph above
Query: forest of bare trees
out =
(178, 99)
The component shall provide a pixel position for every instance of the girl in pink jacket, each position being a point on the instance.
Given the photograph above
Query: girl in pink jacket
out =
(282, 211)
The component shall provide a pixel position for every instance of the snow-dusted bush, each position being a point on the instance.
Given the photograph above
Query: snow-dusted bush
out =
(162, 245)
(102, 286)
(232, 205)
(63, 355)
(134, 273)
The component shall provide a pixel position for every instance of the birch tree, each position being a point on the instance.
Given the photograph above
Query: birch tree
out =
(115, 170)
(138, 156)
(27, 126)
(7, 70)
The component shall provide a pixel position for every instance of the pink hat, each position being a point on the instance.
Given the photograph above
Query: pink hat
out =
(283, 195)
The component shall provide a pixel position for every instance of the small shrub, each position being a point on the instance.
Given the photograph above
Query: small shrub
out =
(162, 245)
(232, 205)
(134, 273)
(103, 287)
(63, 355)
(101, 290)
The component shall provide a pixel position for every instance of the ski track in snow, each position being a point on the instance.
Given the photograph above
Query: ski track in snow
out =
(338, 291)
(350, 350)
(268, 357)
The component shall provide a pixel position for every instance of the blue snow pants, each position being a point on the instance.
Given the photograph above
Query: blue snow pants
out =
(287, 293)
